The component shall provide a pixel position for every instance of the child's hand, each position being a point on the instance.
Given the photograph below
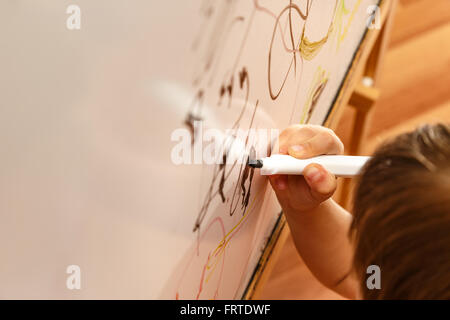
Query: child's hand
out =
(301, 193)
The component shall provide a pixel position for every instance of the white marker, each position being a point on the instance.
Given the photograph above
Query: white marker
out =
(340, 166)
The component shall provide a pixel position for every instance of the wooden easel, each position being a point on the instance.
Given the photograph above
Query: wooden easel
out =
(365, 95)
(359, 91)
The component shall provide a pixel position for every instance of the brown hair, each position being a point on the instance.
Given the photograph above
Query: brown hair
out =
(402, 217)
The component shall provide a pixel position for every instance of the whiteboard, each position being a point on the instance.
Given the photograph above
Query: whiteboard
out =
(87, 120)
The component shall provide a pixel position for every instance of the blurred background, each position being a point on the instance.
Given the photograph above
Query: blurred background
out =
(414, 82)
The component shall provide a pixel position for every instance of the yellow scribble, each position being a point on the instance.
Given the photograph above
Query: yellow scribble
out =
(220, 249)
(212, 268)
(309, 49)
(338, 23)
(340, 29)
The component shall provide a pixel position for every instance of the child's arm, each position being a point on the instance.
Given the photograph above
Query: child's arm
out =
(318, 225)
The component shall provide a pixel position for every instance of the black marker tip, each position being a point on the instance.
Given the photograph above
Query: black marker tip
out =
(255, 163)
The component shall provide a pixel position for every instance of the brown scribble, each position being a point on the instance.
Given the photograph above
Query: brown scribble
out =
(315, 98)
(248, 171)
(243, 175)
(217, 31)
(274, 95)
(217, 185)
(194, 114)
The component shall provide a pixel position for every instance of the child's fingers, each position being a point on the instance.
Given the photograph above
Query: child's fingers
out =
(324, 142)
(280, 186)
(321, 182)
(300, 132)
(279, 181)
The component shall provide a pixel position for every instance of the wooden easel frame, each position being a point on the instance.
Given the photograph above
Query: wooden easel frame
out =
(365, 95)
(365, 65)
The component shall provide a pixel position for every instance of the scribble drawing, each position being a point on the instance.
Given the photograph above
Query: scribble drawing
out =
(195, 254)
(194, 115)
(213, 43)
(277, 27)
(340, 31)
(222, 169)
(310, 48)
(317, 86)
(221, 78)
(216, 257)
(305, 47)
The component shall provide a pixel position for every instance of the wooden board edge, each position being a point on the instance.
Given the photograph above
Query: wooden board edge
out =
(268, 259)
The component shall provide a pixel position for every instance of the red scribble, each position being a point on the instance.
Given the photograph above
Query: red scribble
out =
(220, 222)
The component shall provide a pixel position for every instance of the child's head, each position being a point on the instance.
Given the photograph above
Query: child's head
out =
(402, 216)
